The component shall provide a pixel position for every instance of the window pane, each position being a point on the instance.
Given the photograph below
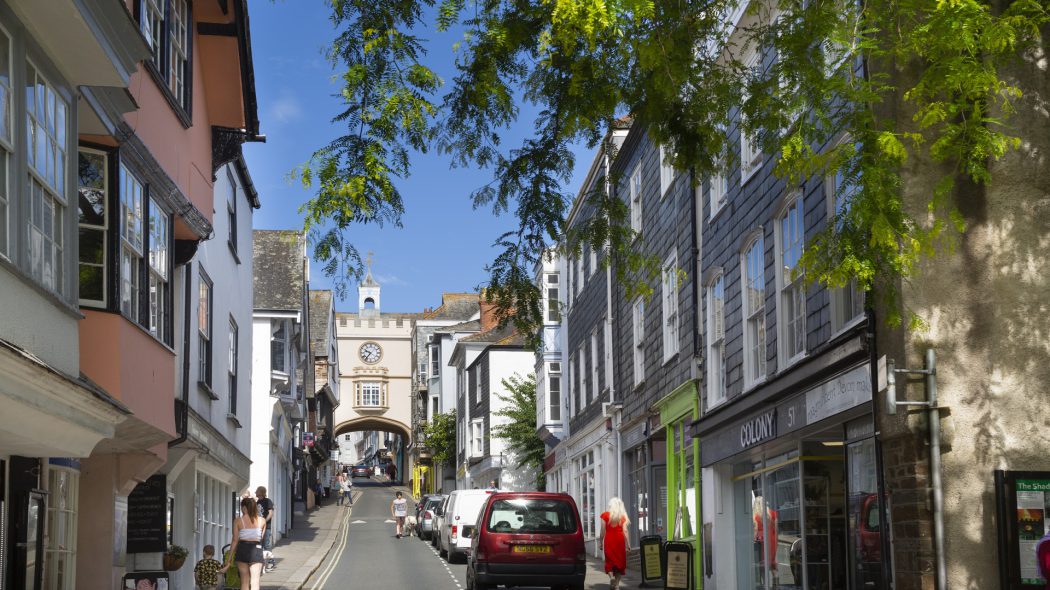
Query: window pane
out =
(159, 222)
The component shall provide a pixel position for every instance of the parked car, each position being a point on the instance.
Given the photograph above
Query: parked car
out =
(460, 515)
(439, 520)
(427, 514)
(527, 539)
(360, 471)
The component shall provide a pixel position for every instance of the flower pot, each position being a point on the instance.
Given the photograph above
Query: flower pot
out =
(172, 563)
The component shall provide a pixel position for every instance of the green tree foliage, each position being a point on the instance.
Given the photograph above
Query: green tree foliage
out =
(520, 430)
(684, 72)
(439, 436)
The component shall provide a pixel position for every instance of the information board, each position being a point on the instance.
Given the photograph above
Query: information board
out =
(679, 566)
(148, 515)
(652, 556)
(1023, 518)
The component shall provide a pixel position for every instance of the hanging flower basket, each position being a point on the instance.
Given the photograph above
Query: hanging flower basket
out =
(174, 558)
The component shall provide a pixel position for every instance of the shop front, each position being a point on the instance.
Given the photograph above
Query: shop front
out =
(645, 478)
(678, 410)
(796, 495)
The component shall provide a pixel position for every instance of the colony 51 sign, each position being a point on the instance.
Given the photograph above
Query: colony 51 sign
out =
(759, 429)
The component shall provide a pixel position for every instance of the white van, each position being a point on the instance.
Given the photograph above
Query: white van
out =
(457, 524)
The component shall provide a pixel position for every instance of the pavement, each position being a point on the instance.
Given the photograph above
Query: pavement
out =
(366, 549)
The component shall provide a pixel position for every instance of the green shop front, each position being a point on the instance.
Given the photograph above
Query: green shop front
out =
(678, 410)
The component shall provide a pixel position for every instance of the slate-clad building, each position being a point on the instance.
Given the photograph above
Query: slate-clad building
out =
(656, 347)
(280, 377)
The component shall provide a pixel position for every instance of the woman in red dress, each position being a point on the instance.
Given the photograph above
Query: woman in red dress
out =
(613, 541)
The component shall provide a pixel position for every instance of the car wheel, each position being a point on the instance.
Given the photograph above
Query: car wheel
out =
(441, 551)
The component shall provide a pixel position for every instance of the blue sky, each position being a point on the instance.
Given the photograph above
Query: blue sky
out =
(445, 244)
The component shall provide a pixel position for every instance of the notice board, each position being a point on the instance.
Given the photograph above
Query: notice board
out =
(1022, 519)
(147, 516)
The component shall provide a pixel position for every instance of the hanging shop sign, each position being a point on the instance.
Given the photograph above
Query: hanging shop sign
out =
(845, 391)
(679, 566)
(1023, 519)
(148, 516)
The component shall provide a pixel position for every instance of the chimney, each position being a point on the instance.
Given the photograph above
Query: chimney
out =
(489, 320)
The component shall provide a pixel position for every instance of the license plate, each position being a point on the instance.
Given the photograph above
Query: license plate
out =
(531, 549)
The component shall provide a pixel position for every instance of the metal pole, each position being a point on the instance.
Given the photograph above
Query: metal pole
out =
(935, 468)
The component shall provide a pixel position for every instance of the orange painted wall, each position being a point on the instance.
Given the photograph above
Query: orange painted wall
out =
(185, 154)
(131, 365)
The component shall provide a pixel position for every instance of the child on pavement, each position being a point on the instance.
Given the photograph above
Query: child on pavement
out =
(206, 572)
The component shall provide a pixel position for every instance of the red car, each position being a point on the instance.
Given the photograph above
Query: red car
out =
(527, 539)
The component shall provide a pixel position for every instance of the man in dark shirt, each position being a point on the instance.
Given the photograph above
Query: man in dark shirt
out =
(267, 511)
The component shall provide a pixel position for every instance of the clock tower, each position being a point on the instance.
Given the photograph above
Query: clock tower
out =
(368, 293)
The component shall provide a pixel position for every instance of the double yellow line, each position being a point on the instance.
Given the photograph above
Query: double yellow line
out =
(338, 553)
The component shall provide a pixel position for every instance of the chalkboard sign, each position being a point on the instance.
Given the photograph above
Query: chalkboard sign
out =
(652, 554)
(679, 567)
(147, 516)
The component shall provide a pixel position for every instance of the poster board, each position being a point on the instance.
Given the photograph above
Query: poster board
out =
(652, 555)
(679, 566)
(148, 516)
(1022, 518)
(146, 581)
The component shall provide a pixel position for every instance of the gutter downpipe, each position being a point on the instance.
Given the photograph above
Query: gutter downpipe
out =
(607, 329)
(183, 429)
(935, 468)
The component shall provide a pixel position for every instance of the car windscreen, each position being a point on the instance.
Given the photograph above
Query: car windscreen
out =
(532, 516)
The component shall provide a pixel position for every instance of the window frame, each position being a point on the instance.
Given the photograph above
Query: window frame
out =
(160, 63)
(635, 195)
(837, 295)
(638, 339)
(158, 316)
(231, 213)
(671, 324)
(716, 341)
(435, 361)
(104, 228)
(595, 364)
(234, 357)
(477, 437)
(554, 394)
(282, 324)
(754, 367)
(552, 309)
(668, 174)
(205, 342)
(751, 156)
(366, 392)
(786, 338)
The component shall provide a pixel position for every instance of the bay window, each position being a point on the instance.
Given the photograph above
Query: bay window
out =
(159, 235)
(553, 304)
(131, 193)
(6, 143)
(554, 391)
(93, 206)
(278, 346)
(46, 133)
(370, 394)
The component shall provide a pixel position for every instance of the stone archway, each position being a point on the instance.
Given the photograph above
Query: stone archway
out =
(381, 424)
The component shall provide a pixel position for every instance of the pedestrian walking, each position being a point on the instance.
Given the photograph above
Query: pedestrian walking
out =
(613, 541)
(268, 512)
(206, 572)
(399, 510)
(246, 547)
(347, 491)
(336, 487)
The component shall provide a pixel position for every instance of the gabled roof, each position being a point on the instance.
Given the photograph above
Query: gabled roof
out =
(468, 326)
(505, 336)
(455, 306)
(278, 257)
(320, 313)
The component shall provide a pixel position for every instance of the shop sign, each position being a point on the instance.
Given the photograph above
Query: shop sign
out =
(147, 516)
(679, 566)
(759, 429)
(843, 392)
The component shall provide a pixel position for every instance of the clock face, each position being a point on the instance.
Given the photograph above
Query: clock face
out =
(371, 353)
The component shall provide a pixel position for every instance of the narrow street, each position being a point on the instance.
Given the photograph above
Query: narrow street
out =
(367, 552)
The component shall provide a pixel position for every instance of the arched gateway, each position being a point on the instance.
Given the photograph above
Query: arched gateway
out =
(375, 359)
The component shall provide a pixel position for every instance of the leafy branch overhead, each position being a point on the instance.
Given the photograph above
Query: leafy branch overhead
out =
(812, 81)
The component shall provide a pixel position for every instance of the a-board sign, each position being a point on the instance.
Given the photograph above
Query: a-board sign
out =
(1023, 519)
(146, 581)
(652, 554)
(147, 516)
(679, 568)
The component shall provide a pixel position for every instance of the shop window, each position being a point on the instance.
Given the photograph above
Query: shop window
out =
(62, 511)
(753, 286)
(585, 479)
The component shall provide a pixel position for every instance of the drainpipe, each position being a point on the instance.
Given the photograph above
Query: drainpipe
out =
(183, 428)
(935, 467)
(607, 329)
